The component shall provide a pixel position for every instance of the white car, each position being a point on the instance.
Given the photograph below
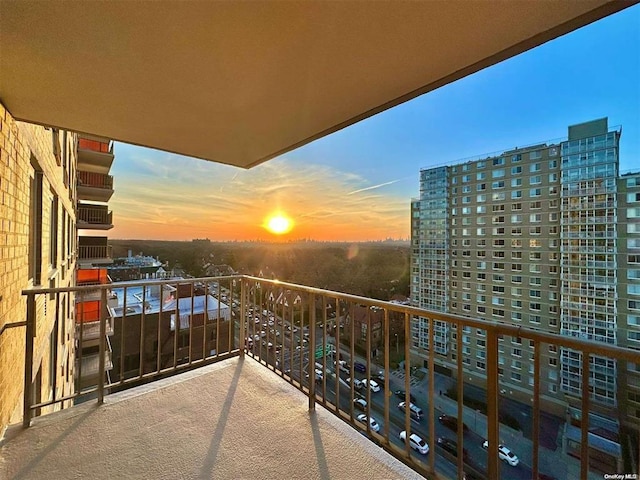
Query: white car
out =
(360, 403)
(357, 384)
(504, 454)
(372, 384)
(415, 442)
(372, 422)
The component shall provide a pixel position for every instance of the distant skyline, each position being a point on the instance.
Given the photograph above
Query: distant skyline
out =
(357, 184)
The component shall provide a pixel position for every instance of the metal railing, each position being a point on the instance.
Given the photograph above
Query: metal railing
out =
(94, 215)
(87, 252)
(95, 180)
(307, 336)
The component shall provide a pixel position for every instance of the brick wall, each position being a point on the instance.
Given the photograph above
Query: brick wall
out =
(21, 145)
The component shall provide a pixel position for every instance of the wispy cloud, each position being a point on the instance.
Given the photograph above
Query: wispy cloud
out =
(159, 195)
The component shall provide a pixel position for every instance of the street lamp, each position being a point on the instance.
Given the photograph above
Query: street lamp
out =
(397, 351)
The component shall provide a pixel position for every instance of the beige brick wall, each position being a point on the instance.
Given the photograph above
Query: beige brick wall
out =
(19, 143)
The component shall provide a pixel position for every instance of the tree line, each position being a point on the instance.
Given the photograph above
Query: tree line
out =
(377, 270)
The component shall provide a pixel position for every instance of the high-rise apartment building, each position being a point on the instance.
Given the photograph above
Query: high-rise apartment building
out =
(534, 237)
(53, 184)
(37, 249)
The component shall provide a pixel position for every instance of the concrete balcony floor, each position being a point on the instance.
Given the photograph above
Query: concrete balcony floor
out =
(231, 420)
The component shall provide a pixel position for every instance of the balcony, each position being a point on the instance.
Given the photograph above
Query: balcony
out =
(94, 187)
(95, 155)
(89, 366)
(94, 217)
(227, 436)
(92, 276)
(94, 250)
(270, 380)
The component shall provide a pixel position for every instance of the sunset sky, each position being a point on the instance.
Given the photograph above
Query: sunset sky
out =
(357, 184)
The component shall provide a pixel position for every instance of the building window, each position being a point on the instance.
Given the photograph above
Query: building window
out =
(633, 336)
(499, 196)
(53, 232)
(35, 226)
(633, 197)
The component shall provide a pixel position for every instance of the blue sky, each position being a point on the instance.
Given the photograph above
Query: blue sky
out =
(356, 184)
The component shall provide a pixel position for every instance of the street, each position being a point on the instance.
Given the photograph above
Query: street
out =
(285, 346)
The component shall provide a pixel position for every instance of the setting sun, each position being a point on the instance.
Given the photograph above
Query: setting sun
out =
(279, 224)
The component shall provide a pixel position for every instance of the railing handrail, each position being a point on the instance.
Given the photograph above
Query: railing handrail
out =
(587, 346)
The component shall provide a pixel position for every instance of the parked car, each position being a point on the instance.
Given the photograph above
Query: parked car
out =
(504, 454)
(416, 412)
(357, 384)
(360, 367)
(401, 394)
(451, 422)
(344, 367)
(372, 422)
(415, 442)
(360, 403)
(372, 384)
(379, 377)
(451, 446)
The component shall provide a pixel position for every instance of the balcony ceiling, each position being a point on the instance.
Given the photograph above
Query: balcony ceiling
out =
(243, 82)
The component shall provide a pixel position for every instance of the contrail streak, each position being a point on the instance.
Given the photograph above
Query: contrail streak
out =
(372, 187)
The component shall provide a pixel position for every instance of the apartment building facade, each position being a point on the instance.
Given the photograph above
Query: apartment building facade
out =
(533, 237)
(38, 249)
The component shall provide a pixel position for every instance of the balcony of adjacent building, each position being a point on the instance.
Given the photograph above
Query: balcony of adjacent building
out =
(94, 217)
(94, 251)
(94, 187)
(95, 154)
(90, 370)
(256, 374)
(88, 314)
